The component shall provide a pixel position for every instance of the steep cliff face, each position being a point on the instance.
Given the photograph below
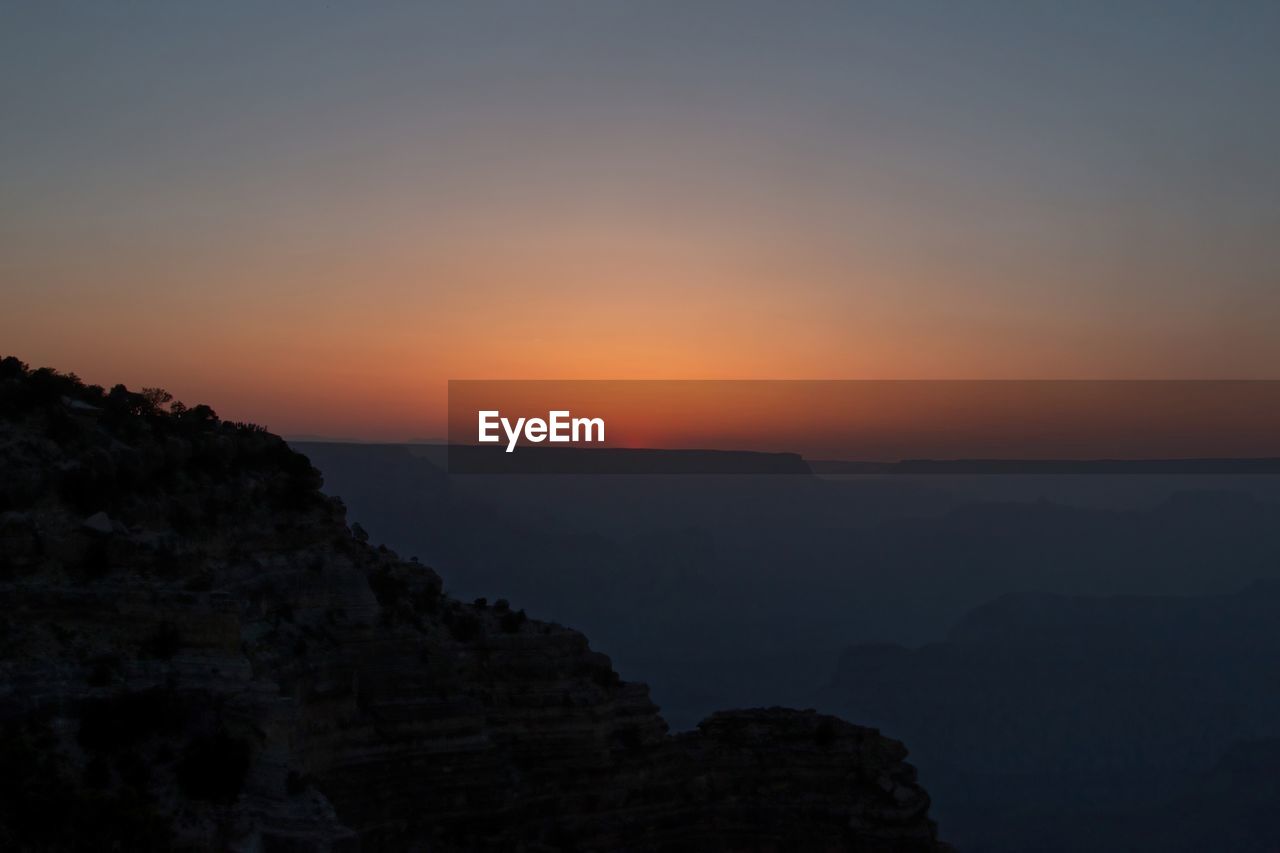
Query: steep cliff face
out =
(197, 652)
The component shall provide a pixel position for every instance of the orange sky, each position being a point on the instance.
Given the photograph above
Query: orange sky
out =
(319, 233)
(360, 340)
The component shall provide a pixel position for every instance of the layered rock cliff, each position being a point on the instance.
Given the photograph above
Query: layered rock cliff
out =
(197, 652)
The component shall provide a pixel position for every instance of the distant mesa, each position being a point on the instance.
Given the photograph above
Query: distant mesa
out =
(473, 459)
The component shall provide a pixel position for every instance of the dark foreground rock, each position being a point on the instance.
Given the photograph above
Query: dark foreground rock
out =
(196, 652)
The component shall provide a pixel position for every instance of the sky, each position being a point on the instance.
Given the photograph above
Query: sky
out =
(312, 216)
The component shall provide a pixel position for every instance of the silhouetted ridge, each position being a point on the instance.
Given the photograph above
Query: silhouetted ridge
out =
(198, 652)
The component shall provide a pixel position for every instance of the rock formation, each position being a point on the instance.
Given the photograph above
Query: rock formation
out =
(197, 652)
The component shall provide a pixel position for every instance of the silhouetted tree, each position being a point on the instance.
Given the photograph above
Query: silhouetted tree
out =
(156, 398)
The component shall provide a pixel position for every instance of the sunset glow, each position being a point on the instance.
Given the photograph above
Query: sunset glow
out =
(317, 233)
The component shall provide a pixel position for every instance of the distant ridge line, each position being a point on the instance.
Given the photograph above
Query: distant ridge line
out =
(1209, 465)
(578, 460)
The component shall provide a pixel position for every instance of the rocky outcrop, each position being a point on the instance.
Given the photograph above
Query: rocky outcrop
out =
(196, 652)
